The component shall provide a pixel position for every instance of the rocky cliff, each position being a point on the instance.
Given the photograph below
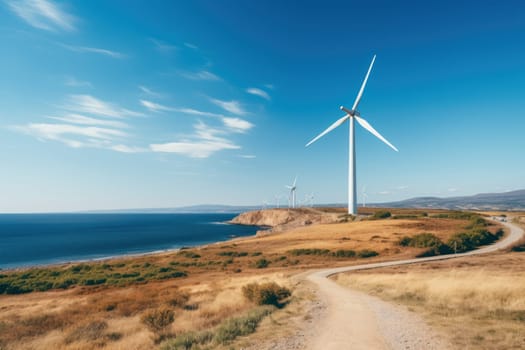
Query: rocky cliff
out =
(284, 219)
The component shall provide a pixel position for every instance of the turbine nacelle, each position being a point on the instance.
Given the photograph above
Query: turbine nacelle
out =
(350, 112)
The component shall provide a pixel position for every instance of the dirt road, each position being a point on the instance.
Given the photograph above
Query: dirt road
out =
(354, 320)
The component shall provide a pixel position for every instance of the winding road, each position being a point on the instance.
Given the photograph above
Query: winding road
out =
(354, 320)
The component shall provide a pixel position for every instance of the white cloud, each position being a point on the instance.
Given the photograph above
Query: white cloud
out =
(127, 149)
(149, 91)
(203, 144)
(401, 188)
(197, 112)
(201, 75)
(92, 105)
(384, 192)
(230, 106)
(83, 120)
(248, 156)
(73, 82)
(97, 50)
(56, 131)
(258, 92)
(452, 190)
(42, 14)
(155, 107)
(237, 124)
(269, 86)
(163, 46)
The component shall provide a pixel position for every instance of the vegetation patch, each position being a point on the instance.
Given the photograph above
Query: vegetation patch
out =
(43, 279)
(475, 235)
(233, 254)
(266, 294)
(381, 214)
(223, 334)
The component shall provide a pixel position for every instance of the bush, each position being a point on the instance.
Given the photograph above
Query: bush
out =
(309, 251)
(235, 327)
(344, 253)
(366, 253)
(262, 263)
(381, 214)
(266, 294)
(157, 320)
(186, 341)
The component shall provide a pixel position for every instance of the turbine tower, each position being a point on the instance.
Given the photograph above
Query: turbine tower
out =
(292, 189)
(365, 196)
(352, 115)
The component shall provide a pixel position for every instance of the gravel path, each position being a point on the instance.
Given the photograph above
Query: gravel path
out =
(344, 318)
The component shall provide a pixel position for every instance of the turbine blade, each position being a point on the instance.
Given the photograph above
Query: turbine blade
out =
(374, 132)
(360, 94)
(294, 181)
(288, 187)
(330, 128)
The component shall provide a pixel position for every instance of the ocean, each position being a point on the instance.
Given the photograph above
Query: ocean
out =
(36, 239)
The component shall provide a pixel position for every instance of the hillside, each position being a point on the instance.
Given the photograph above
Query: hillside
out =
(514, 200)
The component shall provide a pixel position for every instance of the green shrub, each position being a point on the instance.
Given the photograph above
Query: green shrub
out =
(266, 294)
(240, 326)
(187, 341)
(381, 214)
(233, 254)
(309, 251)
(157, 320)
(262, 263)
(344, 253)
(366, 253)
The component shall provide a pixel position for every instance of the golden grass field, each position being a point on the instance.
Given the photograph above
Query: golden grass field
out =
(478, 302)
(111, 316)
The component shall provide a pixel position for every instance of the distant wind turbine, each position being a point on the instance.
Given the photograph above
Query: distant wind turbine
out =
(364, 196)
(292, 189)
(351, 115)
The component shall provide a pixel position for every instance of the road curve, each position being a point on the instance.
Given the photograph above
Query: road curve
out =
(354, 320)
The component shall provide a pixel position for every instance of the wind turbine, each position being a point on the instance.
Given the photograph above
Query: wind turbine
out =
(363, 192)
(278, 200)
(292, 189)
(352, 115)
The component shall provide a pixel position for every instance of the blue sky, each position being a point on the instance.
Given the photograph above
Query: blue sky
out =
(127, 104)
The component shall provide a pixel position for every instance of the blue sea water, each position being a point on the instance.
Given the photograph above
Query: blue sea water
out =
(35, 239)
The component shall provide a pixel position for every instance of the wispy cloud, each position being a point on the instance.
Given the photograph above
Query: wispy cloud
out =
(452, 190)
(237, 124)
(73, 82)
(96, 50)
(247, 156)
(149, 91)
(205, 142)
(42, 14)
(192, 111)
(92, 105)
(83, 120)
(90, 136)
(156, 107)
(230, 106)
(258, 92)
(269, 86)
(384, 192)
(201, 75)
(128, 149)
(163, 46)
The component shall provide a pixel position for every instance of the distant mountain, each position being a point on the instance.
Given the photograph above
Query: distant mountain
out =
(514, 200)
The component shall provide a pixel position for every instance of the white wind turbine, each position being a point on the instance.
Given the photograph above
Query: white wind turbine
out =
(352, 115)
(278, 200)
(292, 189)
(365, 196)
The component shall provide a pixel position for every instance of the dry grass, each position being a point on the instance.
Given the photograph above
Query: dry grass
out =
(479, 302)
(211, 292)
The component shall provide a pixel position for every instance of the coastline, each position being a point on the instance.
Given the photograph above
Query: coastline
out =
(130, 255)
